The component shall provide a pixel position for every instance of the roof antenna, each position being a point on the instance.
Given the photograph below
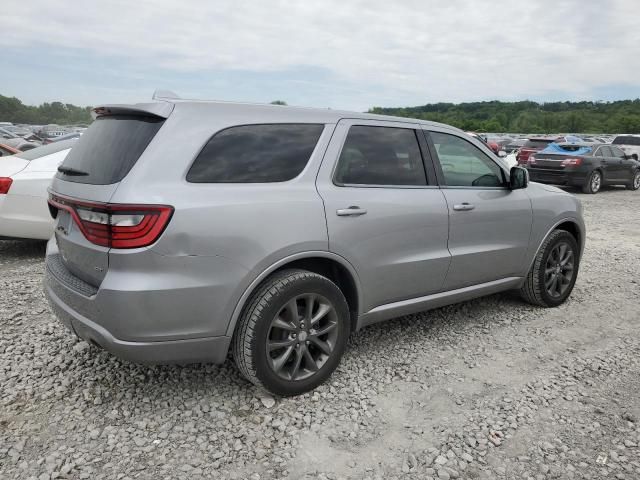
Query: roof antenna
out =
(165, 95)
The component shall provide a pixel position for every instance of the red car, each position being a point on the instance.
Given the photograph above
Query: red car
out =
(532, 145)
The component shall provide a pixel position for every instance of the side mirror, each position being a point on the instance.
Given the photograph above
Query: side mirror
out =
(518, 178)
(634, 156)
(502, 154)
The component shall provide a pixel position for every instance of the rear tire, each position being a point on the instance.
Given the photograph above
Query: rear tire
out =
(554, 271)
(593, 183)
(292, 333)
(635, 182)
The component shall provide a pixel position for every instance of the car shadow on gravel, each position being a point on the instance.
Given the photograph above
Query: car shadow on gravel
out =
(198, 381)
(16, 250)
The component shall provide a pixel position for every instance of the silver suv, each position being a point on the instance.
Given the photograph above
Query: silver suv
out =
(187, 229)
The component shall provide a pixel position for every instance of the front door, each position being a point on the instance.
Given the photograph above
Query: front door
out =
(489, 225)
(385, 213)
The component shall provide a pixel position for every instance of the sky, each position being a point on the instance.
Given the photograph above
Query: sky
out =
(347, 54)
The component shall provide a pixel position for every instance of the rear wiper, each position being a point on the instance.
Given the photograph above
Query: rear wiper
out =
(72, 171)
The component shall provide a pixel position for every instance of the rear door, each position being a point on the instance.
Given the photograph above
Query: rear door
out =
(385, 213)
(91, 172)
(489, 225)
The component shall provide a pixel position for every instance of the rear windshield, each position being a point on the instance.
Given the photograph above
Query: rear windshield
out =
(537, 143)
(109, 148)
(47, 149)
(626, 141)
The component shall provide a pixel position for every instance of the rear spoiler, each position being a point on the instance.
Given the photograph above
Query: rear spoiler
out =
(156, 109)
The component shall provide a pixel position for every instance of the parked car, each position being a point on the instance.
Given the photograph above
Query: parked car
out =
(16, 141)
(515, 144)
(185, 229)
(24, 179)
(540, 143)
(630, 144)
(61, 138)
(491, 145)
(6, 150)
(532, 145)
(584, 165)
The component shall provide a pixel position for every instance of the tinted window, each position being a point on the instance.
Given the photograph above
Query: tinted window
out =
(599, 152)
(256, 154)
(624, 140)
(380, 156)
(463, 164)
(617, 152)
(605, 152)
(537, 143)
(109, 148)
(47, 149)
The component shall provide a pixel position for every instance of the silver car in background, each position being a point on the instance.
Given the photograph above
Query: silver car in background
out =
(185, 229)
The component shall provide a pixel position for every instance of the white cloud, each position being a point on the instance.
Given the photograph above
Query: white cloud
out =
(426, 50)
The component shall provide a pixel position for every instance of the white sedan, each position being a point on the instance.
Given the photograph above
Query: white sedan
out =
(24, 180)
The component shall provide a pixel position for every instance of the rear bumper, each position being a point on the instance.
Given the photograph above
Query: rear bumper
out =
(149, 308)
(210, 349)
(557, 177)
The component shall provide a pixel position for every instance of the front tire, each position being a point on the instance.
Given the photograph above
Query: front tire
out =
(554, 271)
(292, 333)
(635, 182)
(593, 183)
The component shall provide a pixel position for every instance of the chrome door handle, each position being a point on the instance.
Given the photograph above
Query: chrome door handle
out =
(464, 207)
(352, 211)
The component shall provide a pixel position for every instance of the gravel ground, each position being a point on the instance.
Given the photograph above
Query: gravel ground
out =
(491, 388)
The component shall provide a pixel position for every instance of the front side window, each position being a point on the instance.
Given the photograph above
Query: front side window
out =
(465, 165)
(605, 152)
(380, 156)
(256, 154)
(617, 152)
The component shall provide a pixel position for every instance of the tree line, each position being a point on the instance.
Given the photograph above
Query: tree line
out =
(529, 117)
(14, 111)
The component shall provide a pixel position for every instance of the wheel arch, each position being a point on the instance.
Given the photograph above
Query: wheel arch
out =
(569, 225)
(328, 264)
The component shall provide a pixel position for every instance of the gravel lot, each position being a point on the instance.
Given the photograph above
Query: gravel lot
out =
(491, 388)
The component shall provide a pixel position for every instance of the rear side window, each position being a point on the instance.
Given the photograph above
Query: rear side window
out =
(110, 147)
(380, 156)
(256, 154)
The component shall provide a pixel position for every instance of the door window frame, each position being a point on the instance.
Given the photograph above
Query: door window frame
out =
(426, 130)
(425, 153)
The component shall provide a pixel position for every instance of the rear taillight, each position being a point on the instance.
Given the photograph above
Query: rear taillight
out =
(5, 184)
(572, 162)
(116, 225)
